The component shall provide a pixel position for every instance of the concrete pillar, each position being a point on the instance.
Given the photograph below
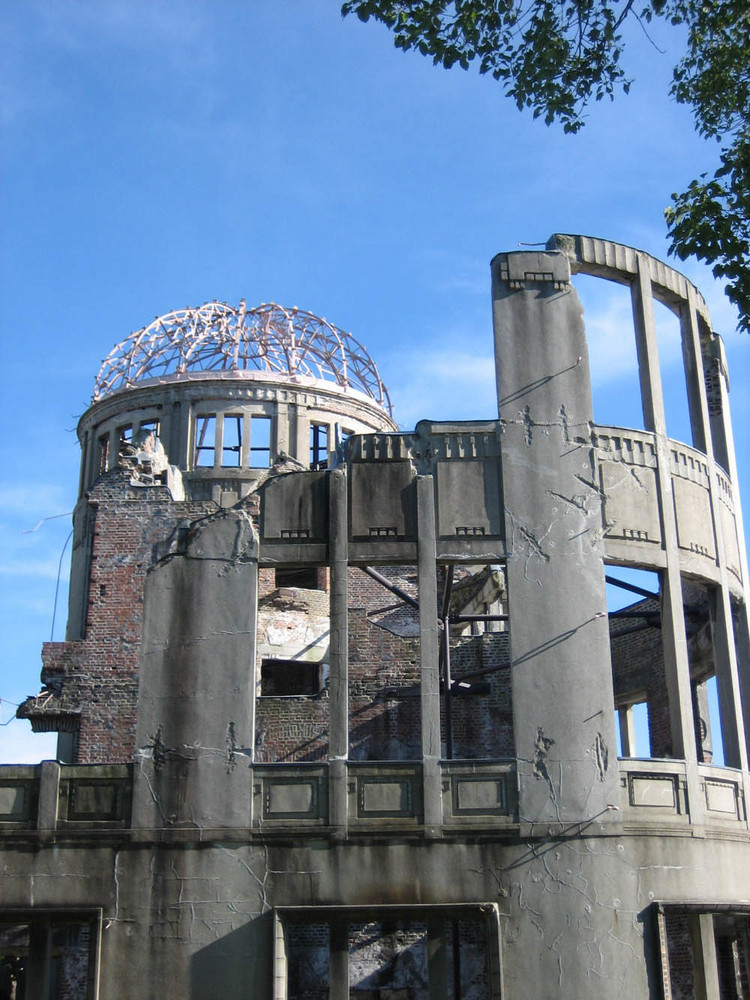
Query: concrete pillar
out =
(727, 678)
(696, 384)
(195, 728)
(39, 966)
(282, 430)
(676, 663)
(302, 437)
(49, 795)
(702, 722)
(705, 966)
(429, 652)
(563, 703)
(338, 968)
(627, 731)
(727, 663)
(338, 648)
(437, 959)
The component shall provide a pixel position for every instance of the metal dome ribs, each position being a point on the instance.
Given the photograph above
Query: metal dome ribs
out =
(223, 338)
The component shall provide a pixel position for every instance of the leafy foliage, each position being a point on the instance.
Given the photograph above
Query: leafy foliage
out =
(557, 56)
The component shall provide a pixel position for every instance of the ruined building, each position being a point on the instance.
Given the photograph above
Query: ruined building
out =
(339, 706)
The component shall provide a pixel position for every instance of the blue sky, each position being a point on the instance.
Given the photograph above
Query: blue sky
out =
(161, 153)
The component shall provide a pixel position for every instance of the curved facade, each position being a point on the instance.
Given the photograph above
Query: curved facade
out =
(347, 724)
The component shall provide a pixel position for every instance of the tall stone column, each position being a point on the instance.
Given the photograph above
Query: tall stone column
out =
(339, 649)
(563, 705)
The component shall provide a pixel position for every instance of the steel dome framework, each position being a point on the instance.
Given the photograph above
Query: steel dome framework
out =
(217, 337)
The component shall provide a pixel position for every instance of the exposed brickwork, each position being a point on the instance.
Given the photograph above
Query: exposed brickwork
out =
(97, 677)
(680, 951)
(482, 722)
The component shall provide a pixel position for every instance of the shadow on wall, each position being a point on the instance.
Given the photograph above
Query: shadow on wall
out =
(225, 970)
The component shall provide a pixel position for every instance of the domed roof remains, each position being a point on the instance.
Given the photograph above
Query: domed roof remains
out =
(217, 337)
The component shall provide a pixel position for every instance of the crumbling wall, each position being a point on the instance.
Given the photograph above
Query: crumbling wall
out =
(482, 710)
(94, 678)
(384, 708)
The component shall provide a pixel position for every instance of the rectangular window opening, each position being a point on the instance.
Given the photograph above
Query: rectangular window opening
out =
(476, 705)
(102, 463)
(306, 578)
(125, 436)
(59, 949)
(260, 442)
(289, 678)
(205, 440)
(231, 445)
(318, 446)
(390, 953)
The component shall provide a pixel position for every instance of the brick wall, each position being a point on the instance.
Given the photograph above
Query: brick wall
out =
(97, 676)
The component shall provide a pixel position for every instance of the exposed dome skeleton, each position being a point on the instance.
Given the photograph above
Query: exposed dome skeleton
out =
(217, 337)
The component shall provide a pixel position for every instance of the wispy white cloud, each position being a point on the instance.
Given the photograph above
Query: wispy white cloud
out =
(449, 383)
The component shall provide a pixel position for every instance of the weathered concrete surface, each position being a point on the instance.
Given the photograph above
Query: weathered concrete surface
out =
(196, 697)
(562, 686)
(193, 920)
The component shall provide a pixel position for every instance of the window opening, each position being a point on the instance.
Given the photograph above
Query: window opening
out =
(260, 442)
(125, 435)
(610, 335)
(674, 383)
(384, 704)
(52, 950)
(205, 440)
(631, 729)
(637, 653)
(477, 707)
(306, 578)
(231, 442)
(149, 427)
(341, 444)
(289, 678)
(390, 953)
(103, 453)
(318, 446)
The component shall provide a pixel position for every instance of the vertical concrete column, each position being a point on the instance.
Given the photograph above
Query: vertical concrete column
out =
(429, 652)
(199, 649)
(339, 647)
(563, 703)
(676, 665)
(49, 795)
(723, 446)
(437, 959)
(627, 731)
(338, 968)
(725, 654)
(282, 427)
(39, 982)
(693, 363)
(245, 443)
(705, 966)
(302, 436)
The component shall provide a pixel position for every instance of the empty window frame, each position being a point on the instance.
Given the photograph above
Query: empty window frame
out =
(146, 428)
(370, 953)
(50, 954)
(102, 452)
(290, 678)
(231, 441)
(260, 442)
(125, 435)
(306, 577)
(318, 446)
(205, 440)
